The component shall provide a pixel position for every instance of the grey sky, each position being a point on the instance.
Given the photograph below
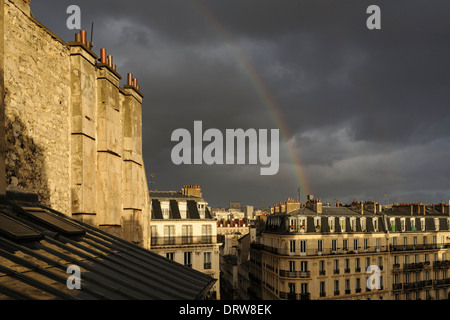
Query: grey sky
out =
(367, 110)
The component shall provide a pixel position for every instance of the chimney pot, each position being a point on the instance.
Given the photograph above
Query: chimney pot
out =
(103, 58)
(83, 37)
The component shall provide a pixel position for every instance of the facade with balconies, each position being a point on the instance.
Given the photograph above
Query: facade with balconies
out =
(324, 252)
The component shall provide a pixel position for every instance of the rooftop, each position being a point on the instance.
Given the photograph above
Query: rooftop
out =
(37, 244)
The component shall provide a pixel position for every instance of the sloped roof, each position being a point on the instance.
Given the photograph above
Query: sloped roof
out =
(37, 244)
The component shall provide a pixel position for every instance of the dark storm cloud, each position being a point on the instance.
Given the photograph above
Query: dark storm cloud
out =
(366, 110)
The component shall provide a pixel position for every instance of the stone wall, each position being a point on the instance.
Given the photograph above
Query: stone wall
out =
(37, 81)
(73, 135)
(2, 104)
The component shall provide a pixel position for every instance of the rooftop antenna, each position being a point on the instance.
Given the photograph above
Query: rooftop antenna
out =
(92, 34)
(152, 181)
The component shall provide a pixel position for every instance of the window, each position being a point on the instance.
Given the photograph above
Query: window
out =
(424, 242)
(355, 244)
(291, 287)
(378, 244)
(380, 262)
(405, 242)
(187, 259)
(358, 284)
(353, 224)
(304, 288)
(416, 258)
(292, 246)
(406, 259)
(345, 244)
(336, 266)
(347, 266)
(207, 260)
(302, 246)
(347, 286)
(392, 222)
(291, 266)
(170, 255)
(333, 245)
(366, 244)
(331, 224)
(434, 242)
(165, 212)
(317, 223)
(321, 267)
(169, 235)
(413, 224)
(336, 287)
(375, 224)
(342, 223)
(304, 266)
(363, 224)
(403, 224)
(322, 289)
(357, 265)
(367, 263)
(206, 233)
(154, 235)
(414, 242)
(320, 246)
(186, 234)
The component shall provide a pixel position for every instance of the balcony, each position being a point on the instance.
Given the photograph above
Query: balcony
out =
(182, 240)
(295, 296)
(322, 272)
(413, 266)
(347, 270)
(397, 286)
(418, 285)
(336, 292)
(441, 283)
(336, 271)
(358, 290)
(295, 274)
(347, 291)
(441, 264)
(309, 252)
(412, 247)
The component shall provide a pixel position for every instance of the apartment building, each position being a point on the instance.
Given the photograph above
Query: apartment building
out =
(183, 230)
(356, 251)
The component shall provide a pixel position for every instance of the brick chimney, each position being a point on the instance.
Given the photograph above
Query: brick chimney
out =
(192, 191)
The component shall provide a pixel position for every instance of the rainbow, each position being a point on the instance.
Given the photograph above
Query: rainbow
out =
(262, 91)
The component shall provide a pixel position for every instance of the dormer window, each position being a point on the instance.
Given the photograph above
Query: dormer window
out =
(331, 224)
(363, 222)
(413, 224)
(422, 224)
(436, 223)
(342, 223)
(317, 224)
(165, 209)
(375, 224)
(353, 224)
(403, 224)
